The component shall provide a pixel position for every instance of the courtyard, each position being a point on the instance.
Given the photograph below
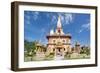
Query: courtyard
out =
(42, 57)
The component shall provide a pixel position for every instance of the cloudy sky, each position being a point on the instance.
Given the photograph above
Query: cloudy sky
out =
(38, 24)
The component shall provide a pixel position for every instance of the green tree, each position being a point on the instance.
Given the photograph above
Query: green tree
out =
(85, 50)
(29, 46)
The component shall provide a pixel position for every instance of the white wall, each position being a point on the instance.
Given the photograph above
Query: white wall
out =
(5, 28)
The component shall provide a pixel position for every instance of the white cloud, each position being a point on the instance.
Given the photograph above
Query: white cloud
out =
(35, 15)
(66, 18)
(85, 27)
(80, 30)
(54, 19)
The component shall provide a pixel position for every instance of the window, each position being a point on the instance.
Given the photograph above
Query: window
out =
(54, 49)
(63, 41)
(54, 41)
(67, 41)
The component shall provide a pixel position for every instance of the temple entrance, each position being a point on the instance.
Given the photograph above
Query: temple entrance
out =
(59, 53)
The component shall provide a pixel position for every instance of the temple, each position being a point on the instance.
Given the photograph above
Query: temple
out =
(59, 42)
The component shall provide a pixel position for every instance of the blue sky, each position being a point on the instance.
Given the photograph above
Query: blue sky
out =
(38, 24)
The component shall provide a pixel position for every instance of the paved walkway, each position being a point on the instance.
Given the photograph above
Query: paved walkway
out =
(58, 57)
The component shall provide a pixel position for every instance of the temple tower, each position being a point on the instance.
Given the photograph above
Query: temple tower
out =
(58, 42)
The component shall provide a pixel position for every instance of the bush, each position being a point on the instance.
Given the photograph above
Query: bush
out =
(51, 53)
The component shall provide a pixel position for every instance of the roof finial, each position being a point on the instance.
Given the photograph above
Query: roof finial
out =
(59, 22)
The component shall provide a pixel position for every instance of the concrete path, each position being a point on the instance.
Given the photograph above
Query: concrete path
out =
(58, 57)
